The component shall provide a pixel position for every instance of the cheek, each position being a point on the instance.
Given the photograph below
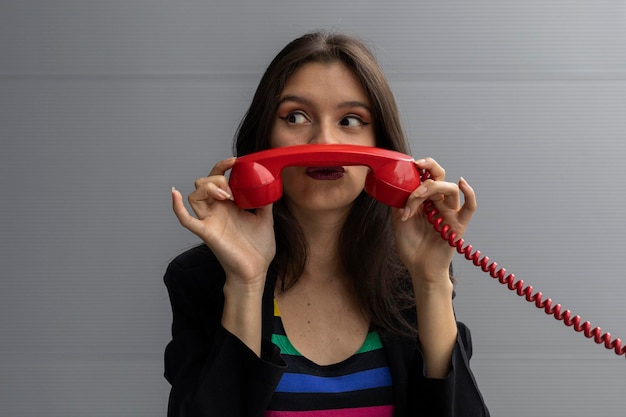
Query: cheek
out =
(273, 137)
(371, 137)
(359, 172)
(289, 175)
(279, 137)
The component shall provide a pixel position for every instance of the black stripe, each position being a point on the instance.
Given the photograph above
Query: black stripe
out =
(283, 401)
(357, 363)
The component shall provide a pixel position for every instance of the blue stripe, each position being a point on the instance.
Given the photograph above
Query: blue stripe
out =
(373, 378)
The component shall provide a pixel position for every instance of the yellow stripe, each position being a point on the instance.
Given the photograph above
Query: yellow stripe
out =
(276, 311)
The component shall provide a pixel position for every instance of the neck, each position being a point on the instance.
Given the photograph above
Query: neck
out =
(322, 231)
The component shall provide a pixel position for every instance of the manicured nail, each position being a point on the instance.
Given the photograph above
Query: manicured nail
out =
(406, 212)
(421, 190)
(224, 194)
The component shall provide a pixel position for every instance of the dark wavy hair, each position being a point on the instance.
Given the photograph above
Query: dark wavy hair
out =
(367, 247)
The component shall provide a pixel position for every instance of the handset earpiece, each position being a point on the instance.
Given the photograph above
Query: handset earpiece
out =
(393, 182)
(253, 185)
(255, 179)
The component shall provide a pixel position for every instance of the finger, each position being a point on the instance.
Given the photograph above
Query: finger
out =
(222, 166)
(469, 206)
(217, 175)
(209, 191)
(220, 180)
(436, 171)
(185, 219)
(215, 186)
(446, 192)
(437, 191)
(204, 197)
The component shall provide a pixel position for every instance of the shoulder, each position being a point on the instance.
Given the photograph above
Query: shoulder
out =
(196, 269)
(195, 257)
(199, 258)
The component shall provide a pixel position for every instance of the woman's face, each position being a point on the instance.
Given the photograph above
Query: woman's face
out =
(323, 103)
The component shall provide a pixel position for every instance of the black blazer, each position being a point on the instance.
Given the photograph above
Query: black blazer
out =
(212, 373)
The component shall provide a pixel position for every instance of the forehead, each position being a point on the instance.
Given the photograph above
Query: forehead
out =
(317, 79)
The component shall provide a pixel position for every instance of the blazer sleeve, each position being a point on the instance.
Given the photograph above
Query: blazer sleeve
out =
(211, 372)
(456, 395)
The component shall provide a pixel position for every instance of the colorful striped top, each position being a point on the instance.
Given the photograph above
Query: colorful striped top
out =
(358, 386)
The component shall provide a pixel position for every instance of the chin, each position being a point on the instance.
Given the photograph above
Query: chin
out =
(324, 201)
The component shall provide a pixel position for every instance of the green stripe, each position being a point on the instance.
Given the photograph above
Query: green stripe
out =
(372, 342)
(285, 346)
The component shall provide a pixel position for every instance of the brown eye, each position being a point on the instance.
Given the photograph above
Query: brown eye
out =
(352, 121)
(295, 118)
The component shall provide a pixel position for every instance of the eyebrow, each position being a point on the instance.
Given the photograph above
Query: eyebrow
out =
(306, 101)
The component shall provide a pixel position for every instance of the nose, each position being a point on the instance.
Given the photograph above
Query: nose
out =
(325, 134)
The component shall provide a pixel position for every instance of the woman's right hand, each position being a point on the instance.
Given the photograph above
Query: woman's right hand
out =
(243, 241)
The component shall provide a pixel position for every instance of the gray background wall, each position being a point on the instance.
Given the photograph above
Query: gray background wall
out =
(105, 105)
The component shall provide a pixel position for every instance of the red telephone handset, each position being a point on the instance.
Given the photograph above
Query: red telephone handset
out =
(255, 179)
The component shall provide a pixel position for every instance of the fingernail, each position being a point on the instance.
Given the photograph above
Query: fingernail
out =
(421, 190)
(224, 194)
(406, 212)
(420, 161)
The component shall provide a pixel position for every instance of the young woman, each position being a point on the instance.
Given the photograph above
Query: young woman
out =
(328, 302)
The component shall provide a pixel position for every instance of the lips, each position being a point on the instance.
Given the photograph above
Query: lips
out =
(325, 173)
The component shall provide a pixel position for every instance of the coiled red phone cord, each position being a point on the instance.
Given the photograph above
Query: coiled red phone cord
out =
(484, 263)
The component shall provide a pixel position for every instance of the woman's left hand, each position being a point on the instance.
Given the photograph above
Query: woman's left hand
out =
(426, 255)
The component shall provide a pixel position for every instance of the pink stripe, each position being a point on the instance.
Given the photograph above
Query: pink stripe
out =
(380, 411)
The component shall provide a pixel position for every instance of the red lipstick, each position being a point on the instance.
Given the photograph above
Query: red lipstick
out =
(325, 173)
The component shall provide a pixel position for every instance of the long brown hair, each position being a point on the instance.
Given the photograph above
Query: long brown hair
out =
(367, 248)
